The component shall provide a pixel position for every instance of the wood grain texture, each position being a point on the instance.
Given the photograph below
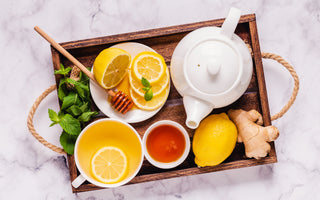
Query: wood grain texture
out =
(259, 70)
(164, 41)
(166, 31)
(261, 81)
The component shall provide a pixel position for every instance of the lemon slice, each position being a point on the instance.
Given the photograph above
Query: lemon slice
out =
(109, 164)
(111, 66)
(154, 103)
(149, 65)
(157, 88)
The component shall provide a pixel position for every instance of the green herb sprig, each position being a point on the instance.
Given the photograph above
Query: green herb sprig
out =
(148, 95)
(75, 108)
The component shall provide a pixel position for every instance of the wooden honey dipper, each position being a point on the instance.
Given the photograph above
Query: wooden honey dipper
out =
(120, 101)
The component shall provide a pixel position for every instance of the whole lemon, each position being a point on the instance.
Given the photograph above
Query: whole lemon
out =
(214, 140)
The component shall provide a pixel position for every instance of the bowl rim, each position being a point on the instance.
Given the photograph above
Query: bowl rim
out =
(170, 164)
(95, 182)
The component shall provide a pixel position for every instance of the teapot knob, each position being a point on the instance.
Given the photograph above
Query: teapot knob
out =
(213, 67)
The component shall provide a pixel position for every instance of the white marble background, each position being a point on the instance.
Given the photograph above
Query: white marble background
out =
(28, 170)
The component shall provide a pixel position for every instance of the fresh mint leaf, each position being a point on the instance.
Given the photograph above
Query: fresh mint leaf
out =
(62, 91)
(145, 82)
(86, 116)
(60, 114)
(79, 84)
(69, 100)
(83, 77)
(145, 89)
(74, 110)
(63, 71)
(75, 104)
(53, 123)
(83, 93)
(84, 107)
(70, 125)
(53, 116)
(82, 89)
(68, 142)
(148, 95)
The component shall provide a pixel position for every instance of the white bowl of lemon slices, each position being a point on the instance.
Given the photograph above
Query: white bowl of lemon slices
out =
(145, 64)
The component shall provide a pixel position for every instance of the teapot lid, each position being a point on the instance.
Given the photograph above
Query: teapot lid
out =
(213, 65)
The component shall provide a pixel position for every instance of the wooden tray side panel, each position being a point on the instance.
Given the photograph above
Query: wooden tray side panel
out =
(259, 68)
(150, 33)
(261, 82)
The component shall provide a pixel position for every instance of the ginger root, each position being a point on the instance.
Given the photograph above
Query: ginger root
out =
(251, 132)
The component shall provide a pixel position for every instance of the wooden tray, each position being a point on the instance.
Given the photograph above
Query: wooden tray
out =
(164, 41)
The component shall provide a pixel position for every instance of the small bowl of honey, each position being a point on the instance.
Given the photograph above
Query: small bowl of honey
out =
(166, 144)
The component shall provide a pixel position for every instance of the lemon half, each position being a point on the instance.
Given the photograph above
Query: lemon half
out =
(111, 66)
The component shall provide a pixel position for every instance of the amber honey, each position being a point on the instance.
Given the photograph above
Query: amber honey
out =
(165, 143)
(124, 86)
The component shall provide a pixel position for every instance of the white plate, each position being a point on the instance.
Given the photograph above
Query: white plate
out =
(100, 96)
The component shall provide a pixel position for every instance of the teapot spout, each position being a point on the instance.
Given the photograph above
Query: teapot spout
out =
(196, 110)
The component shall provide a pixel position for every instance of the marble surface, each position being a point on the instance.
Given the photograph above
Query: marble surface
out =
(28, 170)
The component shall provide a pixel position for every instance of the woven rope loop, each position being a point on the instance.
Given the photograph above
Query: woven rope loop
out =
(295, 77)
(30, 121)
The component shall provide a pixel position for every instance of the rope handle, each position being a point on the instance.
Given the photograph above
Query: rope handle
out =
(295, 77)
(30, 121)
(275, 57)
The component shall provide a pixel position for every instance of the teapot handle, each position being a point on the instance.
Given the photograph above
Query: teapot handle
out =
(229, 25)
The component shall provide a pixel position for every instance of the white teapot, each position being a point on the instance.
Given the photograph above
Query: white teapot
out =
(211, 67)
